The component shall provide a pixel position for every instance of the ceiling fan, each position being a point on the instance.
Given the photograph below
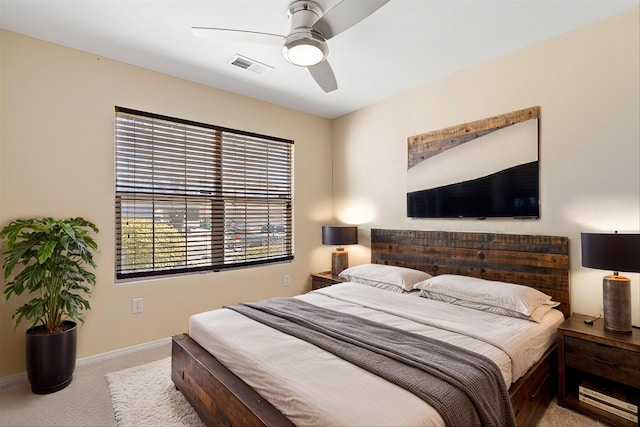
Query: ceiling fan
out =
(306, 43)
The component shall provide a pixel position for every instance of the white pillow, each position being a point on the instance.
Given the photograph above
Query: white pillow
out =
(536, 316)
(517, 298)
(385, 276)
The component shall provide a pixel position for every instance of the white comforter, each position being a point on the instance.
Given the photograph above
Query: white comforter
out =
(313, 387)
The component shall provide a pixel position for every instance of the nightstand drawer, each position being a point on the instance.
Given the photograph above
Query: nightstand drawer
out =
(321, 280)
(610, 362)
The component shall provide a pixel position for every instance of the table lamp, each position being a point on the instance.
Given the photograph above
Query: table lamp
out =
(339, 235)
(616, 252)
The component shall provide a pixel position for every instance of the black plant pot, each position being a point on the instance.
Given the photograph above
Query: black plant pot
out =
(51, 359)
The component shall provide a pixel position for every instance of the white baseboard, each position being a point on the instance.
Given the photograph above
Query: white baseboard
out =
(22, 376)
(12, 379)
(123, 351)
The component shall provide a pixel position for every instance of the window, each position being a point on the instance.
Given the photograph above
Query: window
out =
(195, 197)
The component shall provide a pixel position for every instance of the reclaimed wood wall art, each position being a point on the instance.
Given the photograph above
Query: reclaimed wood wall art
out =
(426, 145)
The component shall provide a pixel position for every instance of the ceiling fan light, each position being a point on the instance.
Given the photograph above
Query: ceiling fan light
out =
(304, 52)
(304, 55)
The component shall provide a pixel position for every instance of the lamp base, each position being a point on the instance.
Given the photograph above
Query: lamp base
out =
(616, 297)
(339, 261)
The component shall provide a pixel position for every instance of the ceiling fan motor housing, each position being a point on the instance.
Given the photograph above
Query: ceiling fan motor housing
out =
(302, 15)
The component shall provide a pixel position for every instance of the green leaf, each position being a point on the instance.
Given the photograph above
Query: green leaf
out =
(44, 253)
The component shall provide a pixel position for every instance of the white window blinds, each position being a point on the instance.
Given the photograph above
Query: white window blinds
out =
(193, 197)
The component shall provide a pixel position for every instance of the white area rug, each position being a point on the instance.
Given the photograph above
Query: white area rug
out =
(146, 396)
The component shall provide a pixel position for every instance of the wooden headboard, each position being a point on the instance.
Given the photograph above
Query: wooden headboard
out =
(541, 262)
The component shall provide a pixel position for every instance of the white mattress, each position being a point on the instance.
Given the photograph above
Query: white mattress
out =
(313, 387)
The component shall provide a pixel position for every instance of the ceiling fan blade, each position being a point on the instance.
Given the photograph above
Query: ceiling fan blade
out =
(323, 75)
(345, 15)
(238, 35)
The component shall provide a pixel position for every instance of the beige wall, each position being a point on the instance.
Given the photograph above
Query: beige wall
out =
(587, 85)
(57, 158)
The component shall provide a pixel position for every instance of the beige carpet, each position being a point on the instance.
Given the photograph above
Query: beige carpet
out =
(145, 396)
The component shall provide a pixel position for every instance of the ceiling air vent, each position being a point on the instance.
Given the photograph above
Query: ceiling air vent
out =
(250, 64)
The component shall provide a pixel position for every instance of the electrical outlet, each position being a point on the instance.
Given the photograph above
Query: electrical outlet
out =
(137, 305)
(287, 280)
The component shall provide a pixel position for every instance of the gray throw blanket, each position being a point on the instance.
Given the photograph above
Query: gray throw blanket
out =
(466, 388)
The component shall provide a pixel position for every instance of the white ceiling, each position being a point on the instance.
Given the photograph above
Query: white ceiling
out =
(405, 44)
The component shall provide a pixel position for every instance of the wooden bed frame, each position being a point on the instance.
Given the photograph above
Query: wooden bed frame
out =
(542, 262)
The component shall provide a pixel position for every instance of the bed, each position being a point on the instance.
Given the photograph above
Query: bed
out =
(221, 398)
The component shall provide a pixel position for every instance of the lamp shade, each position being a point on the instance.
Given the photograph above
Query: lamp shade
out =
(607, 251)
(339, 235)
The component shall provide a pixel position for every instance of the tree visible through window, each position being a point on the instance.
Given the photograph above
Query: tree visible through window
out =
(195, 197)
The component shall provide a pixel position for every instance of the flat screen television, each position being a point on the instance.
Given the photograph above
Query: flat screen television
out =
(512, 192)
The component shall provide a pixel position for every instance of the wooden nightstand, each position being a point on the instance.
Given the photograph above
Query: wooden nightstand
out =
(604, 364)
(320, 280)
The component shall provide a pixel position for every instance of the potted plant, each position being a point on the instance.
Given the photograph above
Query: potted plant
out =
(51, 255)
